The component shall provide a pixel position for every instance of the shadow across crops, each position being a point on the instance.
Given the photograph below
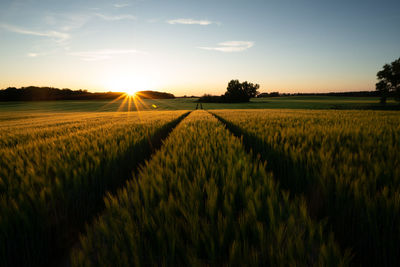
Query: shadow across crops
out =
(291, 175)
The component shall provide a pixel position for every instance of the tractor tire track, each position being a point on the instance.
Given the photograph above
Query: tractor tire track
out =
(61, 255)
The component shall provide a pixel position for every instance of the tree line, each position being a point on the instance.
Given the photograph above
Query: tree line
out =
(238, 92)
(154, 95)
(33, 93)
(388, 86)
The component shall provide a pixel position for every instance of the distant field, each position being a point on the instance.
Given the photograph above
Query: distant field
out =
(292, 102)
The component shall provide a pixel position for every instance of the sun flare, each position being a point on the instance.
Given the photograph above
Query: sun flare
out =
(130, 92)
(129, 85)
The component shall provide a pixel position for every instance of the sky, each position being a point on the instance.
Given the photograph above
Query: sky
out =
(192, 47)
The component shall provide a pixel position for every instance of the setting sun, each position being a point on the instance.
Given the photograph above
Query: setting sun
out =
(130, 92)
(125, 85)
(128, 84)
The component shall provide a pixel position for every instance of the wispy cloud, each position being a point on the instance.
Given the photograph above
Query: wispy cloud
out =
(56, 35)
(120, 5)
(104, 54)
(231, 46)
(191, 22)
(37, 54)
(70, 22)
(115, 18)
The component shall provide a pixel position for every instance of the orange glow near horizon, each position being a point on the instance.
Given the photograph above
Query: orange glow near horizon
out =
(125, 82)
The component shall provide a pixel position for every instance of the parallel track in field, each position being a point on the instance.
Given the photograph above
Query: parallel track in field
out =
(61, 256)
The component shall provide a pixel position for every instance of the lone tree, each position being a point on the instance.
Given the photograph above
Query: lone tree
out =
(389, 81)
(241, 92)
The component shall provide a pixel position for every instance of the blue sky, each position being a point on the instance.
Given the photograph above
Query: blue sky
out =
(195, 47)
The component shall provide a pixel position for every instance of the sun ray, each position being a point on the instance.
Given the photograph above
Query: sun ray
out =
(122, 104)
(141, 102)
(129, 103)
(138, 112)
(102, 108)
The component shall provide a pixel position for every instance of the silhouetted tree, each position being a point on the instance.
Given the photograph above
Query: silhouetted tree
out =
(241, 92)
(389, 81)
